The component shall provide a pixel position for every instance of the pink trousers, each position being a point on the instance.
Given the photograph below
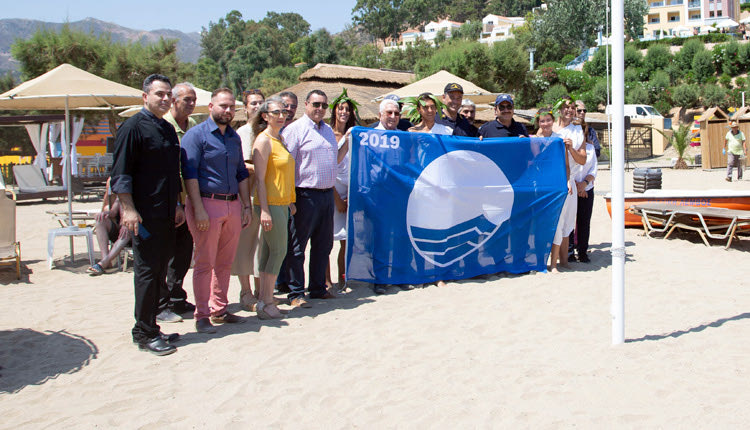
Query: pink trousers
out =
(213, 253)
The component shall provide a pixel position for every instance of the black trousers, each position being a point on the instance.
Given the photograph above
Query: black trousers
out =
(583, 222)
(313, 222)
(179, 265)
(151, 257)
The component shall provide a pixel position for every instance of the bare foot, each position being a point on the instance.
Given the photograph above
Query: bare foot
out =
(441, 284)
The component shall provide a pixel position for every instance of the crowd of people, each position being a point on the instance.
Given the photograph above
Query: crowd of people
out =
(246, 202)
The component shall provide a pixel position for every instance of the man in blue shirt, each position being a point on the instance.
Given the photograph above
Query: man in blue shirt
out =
(453, 95)
(503, 125)
(218, 207)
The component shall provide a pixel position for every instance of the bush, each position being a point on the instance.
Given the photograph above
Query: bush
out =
(555, 93)
(684, 57)
(637, 94)
(703, 66)
(714, 95)
(730, 62)
(725, 81)
(632, 57)
(685, 95)
(658, 84)
(740, 82)
(597, 66)
(657, 57)
(574, 80)
(663, 105)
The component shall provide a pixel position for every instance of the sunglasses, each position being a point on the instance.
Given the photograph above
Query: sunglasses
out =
(290, 107)
(318, 105)
(504, 107)
(581, 110)
(278, 113)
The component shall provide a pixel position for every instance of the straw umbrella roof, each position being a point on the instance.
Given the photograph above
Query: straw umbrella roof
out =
(362, 85)
(436, 83)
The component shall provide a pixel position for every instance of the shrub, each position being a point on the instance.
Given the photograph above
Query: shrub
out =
(637, 94)
(657, 57)
(574, 80)
(685, 95)
(633, 57)
(725, 81)
(684, 57)
(703, 66)
(597, 95)
(555, 93)
(730, 64)
(740, 82)
(714, 95)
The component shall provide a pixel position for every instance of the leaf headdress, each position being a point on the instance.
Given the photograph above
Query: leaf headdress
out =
(410, 111)
(343, 98)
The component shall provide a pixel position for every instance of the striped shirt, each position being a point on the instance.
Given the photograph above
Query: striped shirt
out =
(314, 149)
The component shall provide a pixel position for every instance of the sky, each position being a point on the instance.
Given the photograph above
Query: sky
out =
(191, 16)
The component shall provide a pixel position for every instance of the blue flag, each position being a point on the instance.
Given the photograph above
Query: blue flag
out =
(425, 207)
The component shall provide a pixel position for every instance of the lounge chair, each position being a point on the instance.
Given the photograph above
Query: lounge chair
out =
(10, 250)
(32, 185)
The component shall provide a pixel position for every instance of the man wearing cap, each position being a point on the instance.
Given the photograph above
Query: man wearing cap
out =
(735, 147)
(403, 123)
(453, 95)
(503, 125)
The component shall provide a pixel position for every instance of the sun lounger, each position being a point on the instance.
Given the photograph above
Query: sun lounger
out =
(31, 184)
(10, 249)
(708, 222)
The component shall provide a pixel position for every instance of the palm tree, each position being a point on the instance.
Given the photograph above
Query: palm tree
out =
(680, 139)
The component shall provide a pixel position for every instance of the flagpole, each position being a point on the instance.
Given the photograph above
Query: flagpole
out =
(618, 173)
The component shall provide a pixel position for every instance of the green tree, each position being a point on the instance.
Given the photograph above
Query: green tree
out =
(509, 64)
(388, 18)
(468, 60)
(275, 79)
(511, 7)
(713, 95)
(703, 66)
(555, 93)
(319, 47)
(657, 57)
(468, 31)
(465, 10)
(407, 58)
(637, 94)
(47, 49)
(685, 56)
(289, 26)
(686, 95)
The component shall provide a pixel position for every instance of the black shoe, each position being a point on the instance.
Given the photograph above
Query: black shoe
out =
(379, 289)
(406, 287)
(157, 346)
(182, 307)
(226, 318)
(169, 338)
(572, 257)
(203, 325)
(583, 258)
(283, 289)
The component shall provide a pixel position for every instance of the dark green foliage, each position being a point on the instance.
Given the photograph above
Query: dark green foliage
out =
(684, 58)
(657, 57)
(713, 95)
(574, 80)
(469, 60)
(509, 63)
(468, 30)
(703, 66)
(596, 97)
(685, 95)
(633, 56)
(407, 59)
(555, 93)
(637, 94)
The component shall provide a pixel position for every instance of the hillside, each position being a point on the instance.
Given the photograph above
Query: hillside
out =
(188, 44)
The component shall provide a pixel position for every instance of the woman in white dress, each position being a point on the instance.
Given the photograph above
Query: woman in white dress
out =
(343, 118)
(572, 135)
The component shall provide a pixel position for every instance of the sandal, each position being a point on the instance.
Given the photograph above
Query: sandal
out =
(263, 315)
(95, 270)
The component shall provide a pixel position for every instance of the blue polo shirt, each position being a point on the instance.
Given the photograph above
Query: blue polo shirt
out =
(495, 129)
(214, 159)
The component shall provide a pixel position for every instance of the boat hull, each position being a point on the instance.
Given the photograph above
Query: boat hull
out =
(723, 199)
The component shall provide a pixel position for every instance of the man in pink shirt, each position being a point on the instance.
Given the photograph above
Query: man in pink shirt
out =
(315, 151)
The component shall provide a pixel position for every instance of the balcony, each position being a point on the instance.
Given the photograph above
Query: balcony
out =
(674, 2)
(694, 4)
(657, 4)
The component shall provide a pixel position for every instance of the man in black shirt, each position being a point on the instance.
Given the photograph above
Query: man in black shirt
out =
(146, 179)
(453, 95)
(503, 125)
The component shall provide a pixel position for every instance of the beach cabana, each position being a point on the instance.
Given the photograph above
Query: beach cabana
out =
(714, 126)
(64, 88)
(362, 84)
(436, 83)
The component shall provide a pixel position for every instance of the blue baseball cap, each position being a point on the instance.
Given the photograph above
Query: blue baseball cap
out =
(393, 97)
(503, 98)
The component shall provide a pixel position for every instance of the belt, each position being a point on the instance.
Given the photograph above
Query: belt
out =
(227, 197)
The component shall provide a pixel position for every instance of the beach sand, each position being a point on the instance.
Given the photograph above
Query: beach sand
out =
(530, 351)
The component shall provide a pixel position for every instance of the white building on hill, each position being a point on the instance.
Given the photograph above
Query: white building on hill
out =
(496, 28)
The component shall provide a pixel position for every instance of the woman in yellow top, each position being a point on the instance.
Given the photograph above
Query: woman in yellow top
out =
(274, 198)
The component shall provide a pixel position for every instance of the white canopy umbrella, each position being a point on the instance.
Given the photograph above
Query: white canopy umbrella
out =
(745, 20)
(727, 23)
(63, 88)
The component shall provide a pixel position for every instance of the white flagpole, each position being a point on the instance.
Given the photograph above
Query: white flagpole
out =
(618, 173)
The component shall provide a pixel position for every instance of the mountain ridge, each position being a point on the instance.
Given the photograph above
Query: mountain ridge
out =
(188, 44)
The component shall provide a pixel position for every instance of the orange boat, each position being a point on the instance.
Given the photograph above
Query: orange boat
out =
(729, 199)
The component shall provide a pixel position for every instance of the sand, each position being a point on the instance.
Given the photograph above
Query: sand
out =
(531, 351)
